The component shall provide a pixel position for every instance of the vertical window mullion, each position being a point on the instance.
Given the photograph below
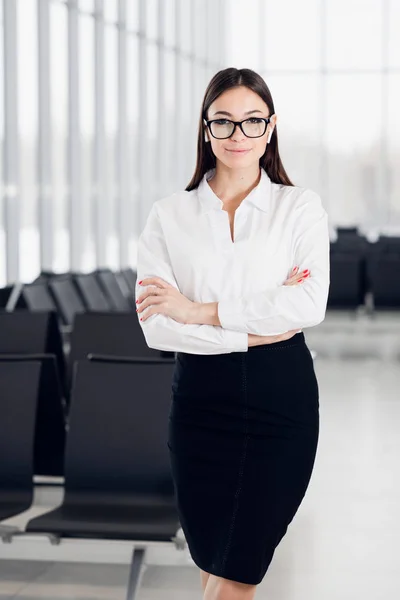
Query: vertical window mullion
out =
(163, 125)
(11, 137)
(142, 148)
(74, 141)
(45, 187)
(100, 228)
(179, 98)
(123, 199)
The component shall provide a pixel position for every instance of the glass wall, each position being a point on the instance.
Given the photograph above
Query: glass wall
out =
(2, 189)
(94, 126)
(333, 68)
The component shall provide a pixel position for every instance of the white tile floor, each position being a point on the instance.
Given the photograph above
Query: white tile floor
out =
(344, 541)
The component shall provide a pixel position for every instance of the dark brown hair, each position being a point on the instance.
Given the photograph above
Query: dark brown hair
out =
(222, 81)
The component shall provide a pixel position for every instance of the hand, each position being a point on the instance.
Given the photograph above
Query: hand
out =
(296, 277)
(163, 298)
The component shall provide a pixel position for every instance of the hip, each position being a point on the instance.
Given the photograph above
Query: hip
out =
(273, 378)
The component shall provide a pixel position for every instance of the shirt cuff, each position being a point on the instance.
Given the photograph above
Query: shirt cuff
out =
(237, 340)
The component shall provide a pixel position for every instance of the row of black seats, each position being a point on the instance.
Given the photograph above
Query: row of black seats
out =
(25, 335)
(69, 294)
(118, 483)
(360, 268)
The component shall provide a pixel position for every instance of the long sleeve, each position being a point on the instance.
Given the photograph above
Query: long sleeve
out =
(162, 332)
(277, 310)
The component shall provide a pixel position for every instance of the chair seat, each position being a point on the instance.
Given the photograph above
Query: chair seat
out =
(12, 508)
(136, 522)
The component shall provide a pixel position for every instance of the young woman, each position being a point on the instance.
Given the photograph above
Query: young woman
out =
(230, 270)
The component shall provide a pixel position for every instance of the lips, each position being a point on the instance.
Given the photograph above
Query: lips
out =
(238, 150)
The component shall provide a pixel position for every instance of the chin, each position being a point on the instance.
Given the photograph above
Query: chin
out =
(240, 161)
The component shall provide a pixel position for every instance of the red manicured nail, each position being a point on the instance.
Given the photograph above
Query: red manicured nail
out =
(140, 319)
(305, 272)
(295, 268)
(300, 280)
(140, 281)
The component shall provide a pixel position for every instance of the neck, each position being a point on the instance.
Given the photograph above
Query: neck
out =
(232, 185)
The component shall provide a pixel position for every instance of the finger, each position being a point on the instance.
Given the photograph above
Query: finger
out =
(149, 311)
(301, 275)
(296, 278)
(153, 291)
(149, 301)
(155, 281)
(291, 282)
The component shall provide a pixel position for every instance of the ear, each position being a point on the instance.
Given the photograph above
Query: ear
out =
(271, 127)
(273, 121)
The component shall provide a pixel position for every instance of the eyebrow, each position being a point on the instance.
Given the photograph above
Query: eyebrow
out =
(224, 112)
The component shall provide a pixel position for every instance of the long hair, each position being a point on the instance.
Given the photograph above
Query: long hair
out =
(220, 82)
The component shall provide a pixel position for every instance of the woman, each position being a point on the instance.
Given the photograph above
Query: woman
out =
(230, 271)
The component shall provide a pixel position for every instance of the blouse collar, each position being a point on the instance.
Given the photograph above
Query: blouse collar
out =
(259, 195)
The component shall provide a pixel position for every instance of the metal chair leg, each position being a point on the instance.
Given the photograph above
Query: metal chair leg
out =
(136, 572)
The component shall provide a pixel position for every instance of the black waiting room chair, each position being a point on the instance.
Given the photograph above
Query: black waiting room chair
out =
(19, 385)
(32, 297)
(130, 277)
(91, 292)
(120, 299)
(50, 419)
(25, 332)
(118, 482)
(116, 334)
(126, 289)
(67, 298)
(383, 268)
(5, 294)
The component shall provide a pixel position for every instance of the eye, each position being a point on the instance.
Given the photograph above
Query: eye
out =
(255, 120)
(222, 121)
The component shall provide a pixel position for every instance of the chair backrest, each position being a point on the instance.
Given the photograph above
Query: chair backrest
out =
(5, 294)
(118, 429)
(67, 298)
(112, 289)
(125, 289)
(346, 288)
(387, 245)
(50, 422)
(36, 297)
(24, 332)
(130, 278)
(117, 334)
(91, 292)
(19, 385)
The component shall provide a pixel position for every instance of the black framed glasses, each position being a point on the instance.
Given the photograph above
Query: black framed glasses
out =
(222, 129)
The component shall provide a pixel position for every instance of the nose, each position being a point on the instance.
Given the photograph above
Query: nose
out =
(237, 133)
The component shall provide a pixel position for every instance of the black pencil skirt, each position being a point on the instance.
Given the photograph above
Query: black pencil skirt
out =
(243, 434)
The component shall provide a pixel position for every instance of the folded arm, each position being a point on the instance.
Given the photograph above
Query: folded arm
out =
(277, 310)
(162, 332)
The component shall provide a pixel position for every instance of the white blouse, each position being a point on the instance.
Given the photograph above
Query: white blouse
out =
(187, 242)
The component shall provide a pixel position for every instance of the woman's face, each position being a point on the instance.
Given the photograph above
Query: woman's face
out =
(238, 104)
